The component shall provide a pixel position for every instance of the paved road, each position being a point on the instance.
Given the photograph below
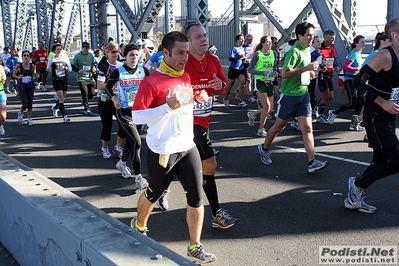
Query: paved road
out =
(285, 213)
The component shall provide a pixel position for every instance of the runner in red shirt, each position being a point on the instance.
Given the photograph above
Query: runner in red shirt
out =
(40, 59)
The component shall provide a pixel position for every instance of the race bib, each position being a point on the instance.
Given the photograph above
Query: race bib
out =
(305, 78)
(203, 109)
(183, 123)
(394, 95)
(60, 73)
(26, 79)
(130, 97)
(42, 59)
(86, 68)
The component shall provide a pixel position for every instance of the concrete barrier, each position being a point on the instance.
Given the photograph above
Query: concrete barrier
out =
(41, 223)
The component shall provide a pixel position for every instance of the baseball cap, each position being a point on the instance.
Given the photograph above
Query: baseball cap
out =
(248, 36)
(85, 44)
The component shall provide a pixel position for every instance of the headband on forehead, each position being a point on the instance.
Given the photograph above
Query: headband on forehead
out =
(128, 48)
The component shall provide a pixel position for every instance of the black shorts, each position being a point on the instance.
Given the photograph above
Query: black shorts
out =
(234, 73)
(60, 84)
(185, 165)
(325, 83)
(204, 144)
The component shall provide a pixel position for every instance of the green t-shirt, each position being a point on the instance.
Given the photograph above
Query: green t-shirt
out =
(296, 57)
(85, 62)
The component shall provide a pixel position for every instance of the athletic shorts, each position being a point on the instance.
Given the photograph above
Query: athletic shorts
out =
(234, 73)
(204, 144)
(185, 165)
(293, 106)
(3, 97)
(325, 83)
(264, 87)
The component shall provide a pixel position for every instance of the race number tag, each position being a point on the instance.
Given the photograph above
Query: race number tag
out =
(130, 97)
(86, 69)
(26, 79)
(203, 109)
(394, 95)
(42, 59)
(305, 78)
(60, 73)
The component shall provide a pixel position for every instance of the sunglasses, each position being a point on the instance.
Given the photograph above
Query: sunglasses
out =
(113, 51)
(275, 43)
(26, 55)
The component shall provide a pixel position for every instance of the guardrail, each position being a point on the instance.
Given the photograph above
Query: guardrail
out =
(41, 223)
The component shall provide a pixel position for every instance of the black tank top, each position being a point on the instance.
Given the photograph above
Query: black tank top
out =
(25, 72)
(384, 81)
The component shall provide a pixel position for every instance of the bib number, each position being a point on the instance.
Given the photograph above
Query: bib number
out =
(130, 97)
(394, 95)
(26, 79)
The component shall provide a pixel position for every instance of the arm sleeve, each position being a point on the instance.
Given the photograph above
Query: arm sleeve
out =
(361, 83)
(150, 115)
(49, 63)
(348, 66)
(113, 78)
(68, 63)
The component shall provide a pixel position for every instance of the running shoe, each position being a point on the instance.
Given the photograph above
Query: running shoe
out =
(295, 125)
(105, 153)
(223, 220)
(236, 95)
(117, 151)
(215, 152)
(20, 117)
(242, 104)
(226, 102)
(355, 124)
(133, 225)
(2, 130)
(251, 99)
(162, 202)
(141, 182)
(251, 119)
(30, 122)
(322, 119)
(125, 170)
(316, 166)
(331, 117)
(356, 197)
(261, 132)
(66, 119)
(55, 111)
(200, 255)
(265, 156)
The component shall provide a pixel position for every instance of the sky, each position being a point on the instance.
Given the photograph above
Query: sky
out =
(363, 11)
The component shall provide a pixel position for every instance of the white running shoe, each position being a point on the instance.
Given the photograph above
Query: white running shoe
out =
(242, 104)
(30, 122)
(125, 170)
(55, 111)
(141, 182)
(2, 130)
(20, 117)
(105, 153)
(66, 119)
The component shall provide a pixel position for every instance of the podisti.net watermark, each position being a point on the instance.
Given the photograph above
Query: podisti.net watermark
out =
(377, 255)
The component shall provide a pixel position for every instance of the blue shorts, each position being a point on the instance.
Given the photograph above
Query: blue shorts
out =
(3, 97)
(293, 106)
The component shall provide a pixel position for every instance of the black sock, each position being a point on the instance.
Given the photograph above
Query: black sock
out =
(211, 192)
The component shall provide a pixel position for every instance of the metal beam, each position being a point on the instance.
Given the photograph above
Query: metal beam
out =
(71, 26)
(6, 16)
(393, 9)
(84, 25)
(98, 23)
(20, 24)
(41, 14)
(57, 22)
(330, 17)
(170, 23)
(127, 15)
